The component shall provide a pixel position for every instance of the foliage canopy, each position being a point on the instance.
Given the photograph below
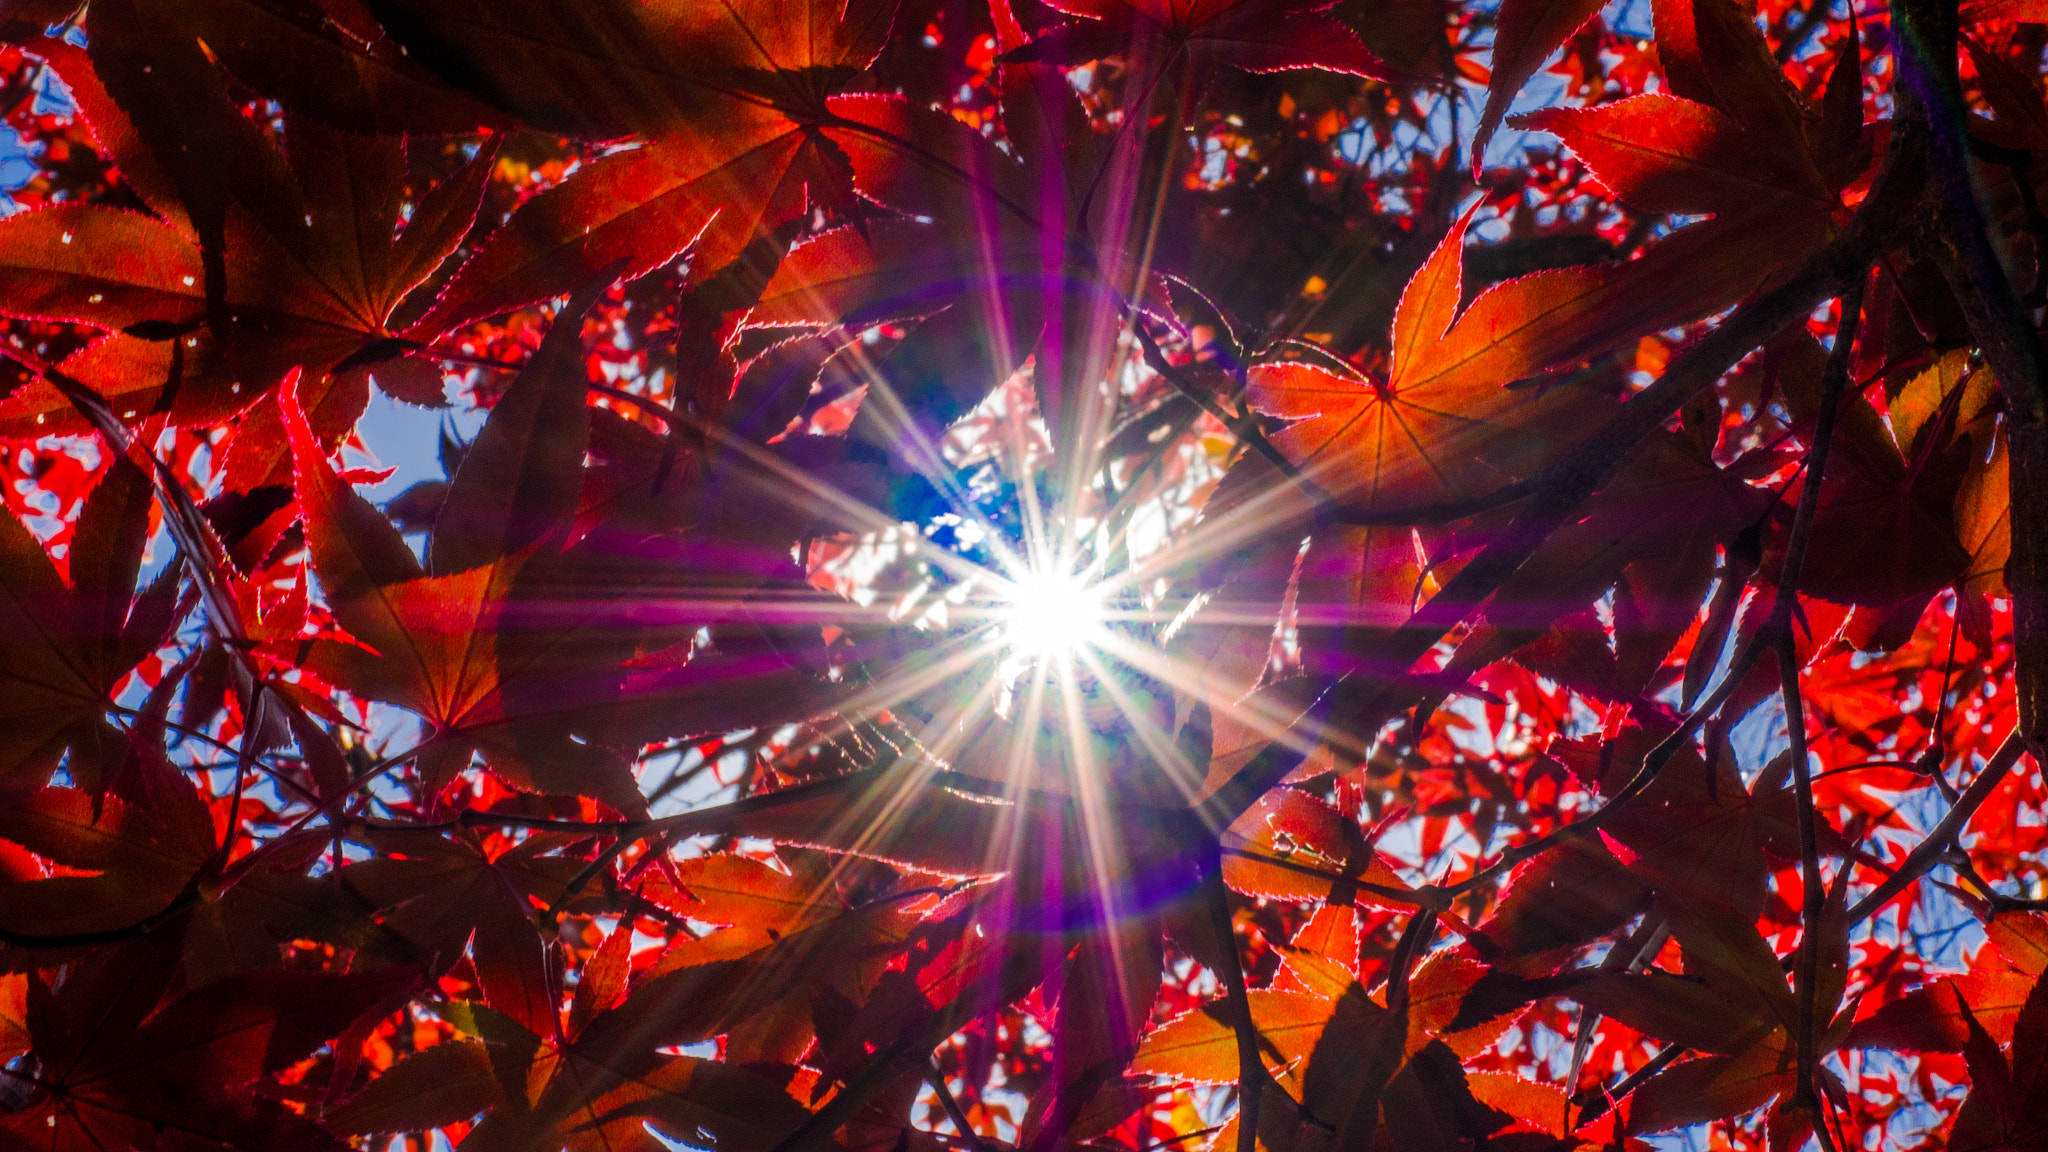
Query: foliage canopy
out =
(1108, 574)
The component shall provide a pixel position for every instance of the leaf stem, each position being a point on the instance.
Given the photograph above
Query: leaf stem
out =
(1430, 897)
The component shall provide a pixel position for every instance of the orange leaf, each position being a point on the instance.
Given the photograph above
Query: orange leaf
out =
(1928, 1020)
(1199, 1047)
(728, 889)
(1543, 1105)
(1661, 153)
(2022, 938)
(1446, 425)
(1322, 958)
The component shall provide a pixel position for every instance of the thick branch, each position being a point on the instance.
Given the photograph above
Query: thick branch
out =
(1932, 120)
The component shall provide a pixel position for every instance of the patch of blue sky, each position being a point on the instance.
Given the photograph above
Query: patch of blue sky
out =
(1944, 933)
(52, 98)
(1546, 89)
(1453, 121)
(17, 167)
(700, 789)
(1697, 1138)
(408, 438)
(17, 156)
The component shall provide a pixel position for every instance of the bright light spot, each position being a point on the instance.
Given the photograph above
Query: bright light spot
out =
(1051, 614)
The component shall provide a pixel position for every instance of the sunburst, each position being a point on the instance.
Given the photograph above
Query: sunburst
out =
(1050, 614)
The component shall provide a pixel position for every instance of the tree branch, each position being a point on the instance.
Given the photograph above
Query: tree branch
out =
(1251, 1067)
(1932, 115)
(1244, 428)
(1813, 893)
(910, 1053)
(1633, 954)
(1366, 700)
(1658, 1063)
(937, 1079)
(1928, 854)
(1653, 763)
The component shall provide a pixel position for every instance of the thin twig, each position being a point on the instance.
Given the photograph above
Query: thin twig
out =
(1833, 382)
(204, 558)
(1244, 428)
(1251, 1066)
(1183, 1138)
(1430, 897)
(1633, 954)
(178, 905)
(1934, 762)
(1653, 763)
(1598, 1106)
(1814, 17)
(937, 1079)
(1814, 895)
(1367, 700)
(909, 1053)
(1928, 854)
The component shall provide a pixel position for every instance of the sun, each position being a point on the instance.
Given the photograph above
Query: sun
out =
(1051, 615)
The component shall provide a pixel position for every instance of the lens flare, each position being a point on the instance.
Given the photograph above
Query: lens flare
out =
(1051, 615)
